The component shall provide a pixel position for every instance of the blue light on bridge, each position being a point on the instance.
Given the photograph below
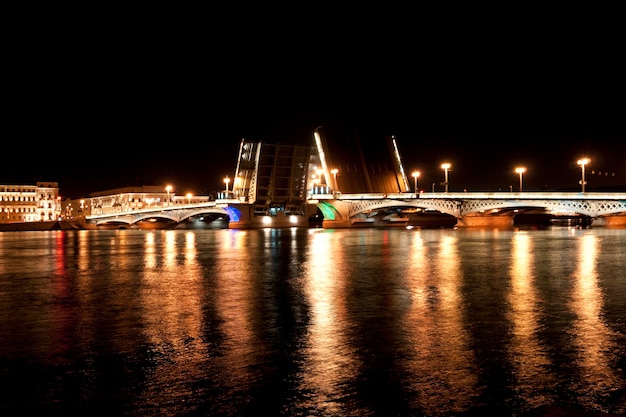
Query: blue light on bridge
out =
(233, 213)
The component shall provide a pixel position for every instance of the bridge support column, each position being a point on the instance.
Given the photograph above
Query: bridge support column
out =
(618, 221)
(245, 212)
(336, 224)
(340, 211)
(248, 220)
(472, 220)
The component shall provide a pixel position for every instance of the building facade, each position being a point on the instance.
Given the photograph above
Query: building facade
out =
(127, 199)
(30, 203)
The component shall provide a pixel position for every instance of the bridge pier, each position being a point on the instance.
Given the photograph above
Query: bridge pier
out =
(336, 224)
(476, 220)
(247, 219)
(618, 221)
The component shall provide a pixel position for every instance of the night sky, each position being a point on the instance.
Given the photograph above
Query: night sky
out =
(109, 103)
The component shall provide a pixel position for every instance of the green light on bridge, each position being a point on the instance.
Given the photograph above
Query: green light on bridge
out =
(328, 211)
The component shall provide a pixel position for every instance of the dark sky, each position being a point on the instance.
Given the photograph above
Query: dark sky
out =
(118, 101)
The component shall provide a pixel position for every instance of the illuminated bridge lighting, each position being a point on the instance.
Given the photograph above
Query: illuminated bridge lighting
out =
(233, 213)
(327, 210)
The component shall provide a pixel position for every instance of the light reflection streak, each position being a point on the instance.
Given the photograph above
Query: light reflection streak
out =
(84, 250)
(171, 249)
(64, 318)
(86, 265)
(191, 252)
(235, 304)
(150, 251)
(442, 366)
(330, 365)
(527, 355)
(592, 336)
(171, 302)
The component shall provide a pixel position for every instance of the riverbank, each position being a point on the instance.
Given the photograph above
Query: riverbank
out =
(73, 224)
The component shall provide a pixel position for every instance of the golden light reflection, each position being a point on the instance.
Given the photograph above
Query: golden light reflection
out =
(237, 240)
(527, 354)
(150, 250)
(442, 368)
(237, 306)
(171, 308)
(592, 336)
(331, 357)
(191, 251)
(171, 249)
(86, 263)
(84, 249)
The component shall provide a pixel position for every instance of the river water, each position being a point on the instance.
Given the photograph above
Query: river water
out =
(312, 322)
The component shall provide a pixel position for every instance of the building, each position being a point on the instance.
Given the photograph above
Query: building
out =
(30, 203)
(127, 199)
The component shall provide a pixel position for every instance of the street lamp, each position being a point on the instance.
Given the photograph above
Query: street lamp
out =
(189, 198)
(520, 171)
(319, 174)
(582, 163)
(415, 175)
(334, 171)
(169, 190)
(446, 167)
(226, 181)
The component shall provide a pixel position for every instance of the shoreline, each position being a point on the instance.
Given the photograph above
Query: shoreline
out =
(74, 224)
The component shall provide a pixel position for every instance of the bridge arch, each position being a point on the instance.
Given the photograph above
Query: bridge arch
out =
(329, 211)
(450, 207)
(591, 208)
(175, 216)
(348, 209)
(352, 206)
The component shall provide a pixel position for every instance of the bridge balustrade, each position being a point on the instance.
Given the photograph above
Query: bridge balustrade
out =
(347, 206)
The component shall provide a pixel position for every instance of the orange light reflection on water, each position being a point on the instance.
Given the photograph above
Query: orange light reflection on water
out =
(442, 366)
(331, 361)
(527, 355)
(592, 336)
(237, 305)
(171, 313)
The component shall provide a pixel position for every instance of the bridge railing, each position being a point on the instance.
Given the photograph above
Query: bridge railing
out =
(154, 209)
(498, 195)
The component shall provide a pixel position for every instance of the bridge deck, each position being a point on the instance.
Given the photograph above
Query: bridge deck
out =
(499, 195)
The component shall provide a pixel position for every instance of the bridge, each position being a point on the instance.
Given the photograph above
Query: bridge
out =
(340, 181)
(348, 210)
(479, 208)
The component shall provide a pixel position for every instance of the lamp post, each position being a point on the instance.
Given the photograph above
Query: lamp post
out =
(226, 181)
(189, 198)
(520, 171)
(169, 190)
(334, 171)
(446, 167)
(582, 163)
(415, 175)
(319, 174)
